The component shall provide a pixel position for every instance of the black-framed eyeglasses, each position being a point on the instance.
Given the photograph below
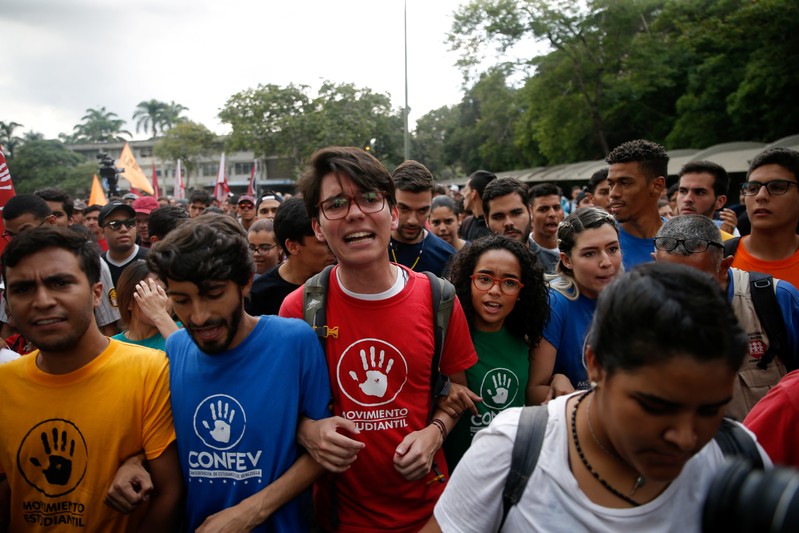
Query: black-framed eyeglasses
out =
(262, 249)
(774, 187)
(339, 206)
(484, 282)
(116, 225)
(692, 246)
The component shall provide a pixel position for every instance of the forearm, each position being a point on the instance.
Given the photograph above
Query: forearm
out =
(166, 500)
(536, 394)
(164, 323)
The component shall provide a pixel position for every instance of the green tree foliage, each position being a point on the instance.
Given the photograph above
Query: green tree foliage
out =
(98, 126)
(188, 141)
(48, 163)
(289, 122)
(8, 140)
(427, 144)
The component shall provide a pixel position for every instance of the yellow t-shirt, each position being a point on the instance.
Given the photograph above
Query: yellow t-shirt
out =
(64, 436)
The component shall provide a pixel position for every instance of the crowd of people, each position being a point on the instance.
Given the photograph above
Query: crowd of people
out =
(401, 348)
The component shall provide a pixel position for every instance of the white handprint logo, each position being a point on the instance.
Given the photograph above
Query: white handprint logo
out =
(499, 388)
(222, 421)
(376, 381)
(371, 372)
(219, 421)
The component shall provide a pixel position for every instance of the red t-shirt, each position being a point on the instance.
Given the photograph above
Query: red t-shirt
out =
(785, 269)
(773, 420)
(380, 368)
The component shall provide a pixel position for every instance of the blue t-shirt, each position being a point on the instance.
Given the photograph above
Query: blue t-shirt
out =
(433, 254)
(635, 250)
(568, 325)
(236, 415)
(788, 301)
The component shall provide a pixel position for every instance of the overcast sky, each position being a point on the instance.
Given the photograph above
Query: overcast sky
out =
(61, 57)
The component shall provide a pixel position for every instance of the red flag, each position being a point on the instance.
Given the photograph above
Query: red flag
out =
(156, 189)
(6, 192)
(221, 189)
(251, 184)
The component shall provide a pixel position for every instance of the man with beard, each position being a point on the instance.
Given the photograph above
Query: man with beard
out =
(637, 176)
(547, 214)
(239, 385)
(411, 244)
(81, 404)
(702, 190)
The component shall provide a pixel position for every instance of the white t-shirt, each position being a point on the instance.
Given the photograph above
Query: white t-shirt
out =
(552, 501)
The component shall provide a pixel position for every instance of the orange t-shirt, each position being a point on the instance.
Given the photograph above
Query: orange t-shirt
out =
(785, 269)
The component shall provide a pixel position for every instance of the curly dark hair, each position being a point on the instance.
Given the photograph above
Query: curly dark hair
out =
(652, 157)
(531, 311)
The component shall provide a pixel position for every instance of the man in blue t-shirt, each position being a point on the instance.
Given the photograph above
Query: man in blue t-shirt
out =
(411, 244)
(239, 384)
(637, 176)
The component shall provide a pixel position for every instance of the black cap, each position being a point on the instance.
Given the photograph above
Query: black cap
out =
(110, 207)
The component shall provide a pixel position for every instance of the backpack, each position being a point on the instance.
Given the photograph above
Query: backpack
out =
(314, 298)
(768, 311)
(730, 437)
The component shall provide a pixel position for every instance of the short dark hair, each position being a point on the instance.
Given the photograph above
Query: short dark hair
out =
(92, 208)
(30, 242)
(200, 195)
(543, 189)
(450, 203)
(479, 179)
(263, 224)
(596, 178)
(22, 204)
(659, 311)
(207, 248)
(581, 219)
(503, 187)
(52, 194)
(412, 176)
(292, 222)
(721, 181)
(531, 311)
(777, 155)
(652, 157)
(365, 171)
(126, 288)
(165, 219)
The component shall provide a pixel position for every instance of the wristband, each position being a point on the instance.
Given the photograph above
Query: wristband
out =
(441, 427)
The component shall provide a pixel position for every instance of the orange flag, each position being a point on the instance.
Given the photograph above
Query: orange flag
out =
(133, 172)
(97, 196)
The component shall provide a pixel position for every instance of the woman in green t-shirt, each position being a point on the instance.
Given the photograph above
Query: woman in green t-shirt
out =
(504, 296)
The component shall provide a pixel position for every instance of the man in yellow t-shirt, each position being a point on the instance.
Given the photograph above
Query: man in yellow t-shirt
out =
(74, 410)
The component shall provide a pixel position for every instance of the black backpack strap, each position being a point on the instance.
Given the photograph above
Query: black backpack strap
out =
(762, 288)
(443, 299)
(734, 441)
(526, 449)
(730, 245)
(314, 300)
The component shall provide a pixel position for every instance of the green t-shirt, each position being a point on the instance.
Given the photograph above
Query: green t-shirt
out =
(157, 341)
(499, 377)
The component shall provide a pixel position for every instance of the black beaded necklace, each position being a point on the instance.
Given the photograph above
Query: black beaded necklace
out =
(585, 461)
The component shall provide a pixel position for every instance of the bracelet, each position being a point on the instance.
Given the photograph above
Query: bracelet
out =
(441, 427)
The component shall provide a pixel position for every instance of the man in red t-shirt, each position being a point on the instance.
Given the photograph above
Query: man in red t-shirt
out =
(380, 362)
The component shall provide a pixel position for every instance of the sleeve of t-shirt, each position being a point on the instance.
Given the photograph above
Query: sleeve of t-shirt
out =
(472, 499)
(553, 330)
(788, 300)
(159, 429)
(292, 305)
(773, 421)
(458, 353)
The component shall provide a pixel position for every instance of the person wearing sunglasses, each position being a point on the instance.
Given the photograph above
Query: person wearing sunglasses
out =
(695, 241)
(118, 220)
(504, 296)
(771, 195)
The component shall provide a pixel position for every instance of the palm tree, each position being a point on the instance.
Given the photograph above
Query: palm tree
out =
(149, 116)
(7, 138)
(171, 115)
(100, 126)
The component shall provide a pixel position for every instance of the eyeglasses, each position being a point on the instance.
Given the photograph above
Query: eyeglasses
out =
(692, 246)
(484, 282)
(774, 187)
(9, 235)
(262, 249)
(116, 225)
(339, 206)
